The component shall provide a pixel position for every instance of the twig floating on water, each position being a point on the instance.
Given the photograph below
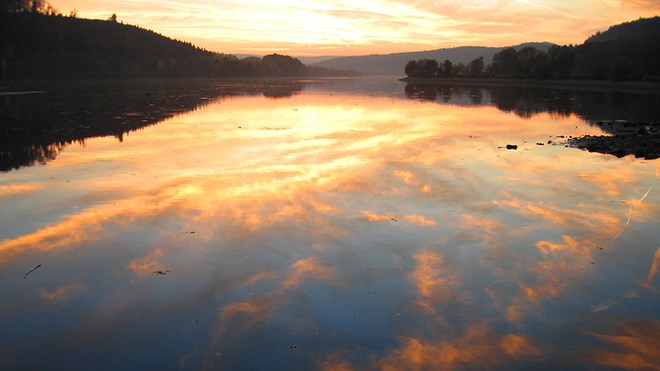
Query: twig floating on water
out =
(33, 269)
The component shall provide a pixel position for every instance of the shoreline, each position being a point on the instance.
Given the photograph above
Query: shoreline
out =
(591, 85)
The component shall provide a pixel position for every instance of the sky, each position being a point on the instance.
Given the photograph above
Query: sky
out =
(350, 27)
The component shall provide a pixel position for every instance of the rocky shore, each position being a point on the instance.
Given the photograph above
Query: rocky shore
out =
(639, 139)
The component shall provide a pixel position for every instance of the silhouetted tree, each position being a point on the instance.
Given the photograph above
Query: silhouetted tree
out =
(460, 70)
(429, 68)
(505, 63)
(284, 65)
(12, 6)
(447, 68)
(422, 68)
(476, 67)
(412, 69)
(532, 63)
(527, 62)
(561, 60)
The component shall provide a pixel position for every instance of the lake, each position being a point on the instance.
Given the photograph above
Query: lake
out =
(324, 224)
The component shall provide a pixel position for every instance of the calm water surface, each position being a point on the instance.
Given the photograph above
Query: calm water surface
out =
(323, 225)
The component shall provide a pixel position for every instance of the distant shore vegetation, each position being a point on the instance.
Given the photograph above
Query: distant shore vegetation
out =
(626, 52)
(36, 41)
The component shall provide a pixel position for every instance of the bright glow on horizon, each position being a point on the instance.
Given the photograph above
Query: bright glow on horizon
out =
(342, 27)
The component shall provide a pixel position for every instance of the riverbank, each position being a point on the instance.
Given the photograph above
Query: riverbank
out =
(594, 85)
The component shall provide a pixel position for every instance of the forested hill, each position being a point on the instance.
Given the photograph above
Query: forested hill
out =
(393, 64)
(626, 52)
(35, 45)
(646, 28)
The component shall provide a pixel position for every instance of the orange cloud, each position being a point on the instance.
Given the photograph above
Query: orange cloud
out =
(478, 347)
(309, 268)
(332, 27)
(13, 189)
(632, 345)
(570, 246)
(240, 317)
(653, 271)
(434, 282)
(62, 293)
(420, 220)
(642, 4)
(85, 226)
(147, 265)
(470, 222)
(594, 219)
(373, 217)
(335, 363)
(562, 263)
(611, 182)
(406, 176)
(260, 277)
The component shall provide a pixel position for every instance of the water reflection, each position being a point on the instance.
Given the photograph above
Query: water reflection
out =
(39, 122)
(330, 230)
(529, 101)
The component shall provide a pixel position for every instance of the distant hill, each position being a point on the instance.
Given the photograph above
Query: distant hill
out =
(393, 64)
(647, 28)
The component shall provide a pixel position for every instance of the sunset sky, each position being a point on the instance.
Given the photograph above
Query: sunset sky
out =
(348, 27)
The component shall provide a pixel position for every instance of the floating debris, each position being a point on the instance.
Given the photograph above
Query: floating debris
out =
(293, 347)
(161, 273)
(511, 146)
(33, 269)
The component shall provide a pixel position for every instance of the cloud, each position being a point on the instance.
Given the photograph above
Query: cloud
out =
(305, 269)
(477, 347)
(631, 345)
(642, 4)
(147, 265)
(62, 293)
(435, 282)
(368, 26)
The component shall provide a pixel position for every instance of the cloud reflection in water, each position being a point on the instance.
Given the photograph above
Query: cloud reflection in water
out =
(339, 230)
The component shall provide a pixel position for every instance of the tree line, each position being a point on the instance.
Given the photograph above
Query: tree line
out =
(38, 45)
(617, 54)
(35, 6)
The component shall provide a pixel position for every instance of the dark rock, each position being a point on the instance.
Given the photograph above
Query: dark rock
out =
(511, 146)
(641, 140)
